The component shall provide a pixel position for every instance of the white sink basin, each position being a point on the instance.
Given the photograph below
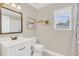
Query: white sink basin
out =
(9, 42)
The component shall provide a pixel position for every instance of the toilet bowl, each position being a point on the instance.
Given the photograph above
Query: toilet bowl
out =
(38, 49)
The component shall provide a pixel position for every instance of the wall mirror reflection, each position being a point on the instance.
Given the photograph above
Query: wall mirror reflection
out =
(11, 21)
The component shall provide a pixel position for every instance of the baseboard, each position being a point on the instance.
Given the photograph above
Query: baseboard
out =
(52, 53)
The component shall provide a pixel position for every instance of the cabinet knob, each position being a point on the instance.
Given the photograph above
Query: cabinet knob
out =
(21, 48)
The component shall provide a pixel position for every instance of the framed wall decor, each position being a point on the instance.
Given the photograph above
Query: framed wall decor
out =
(30, 23)
(62, 18)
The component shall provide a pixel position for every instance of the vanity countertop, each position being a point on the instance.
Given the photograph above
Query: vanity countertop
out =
(8, 42)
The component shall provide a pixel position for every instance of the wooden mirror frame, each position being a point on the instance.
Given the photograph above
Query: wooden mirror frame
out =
(1, 20)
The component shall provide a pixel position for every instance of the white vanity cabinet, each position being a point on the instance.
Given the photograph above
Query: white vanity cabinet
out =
(22, 49)
(17, 47)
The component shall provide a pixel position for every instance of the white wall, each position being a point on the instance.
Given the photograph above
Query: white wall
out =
(28, 11)
(57, 41)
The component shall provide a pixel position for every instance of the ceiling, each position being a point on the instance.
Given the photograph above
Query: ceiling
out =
(38, 5)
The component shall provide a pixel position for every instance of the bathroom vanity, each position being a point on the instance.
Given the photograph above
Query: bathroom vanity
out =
(19, 47)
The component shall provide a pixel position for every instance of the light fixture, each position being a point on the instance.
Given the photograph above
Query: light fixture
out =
(13, 4)
(19, 7)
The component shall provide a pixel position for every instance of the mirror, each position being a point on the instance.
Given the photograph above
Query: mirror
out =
(11, 21)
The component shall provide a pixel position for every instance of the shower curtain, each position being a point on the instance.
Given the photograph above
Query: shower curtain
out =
(75, 31)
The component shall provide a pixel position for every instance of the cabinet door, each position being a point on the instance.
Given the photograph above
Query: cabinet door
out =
(23, 49)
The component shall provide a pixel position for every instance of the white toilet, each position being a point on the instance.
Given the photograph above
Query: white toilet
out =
(38, 49)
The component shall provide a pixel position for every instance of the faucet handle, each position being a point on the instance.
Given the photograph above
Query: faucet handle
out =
(13, 38)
